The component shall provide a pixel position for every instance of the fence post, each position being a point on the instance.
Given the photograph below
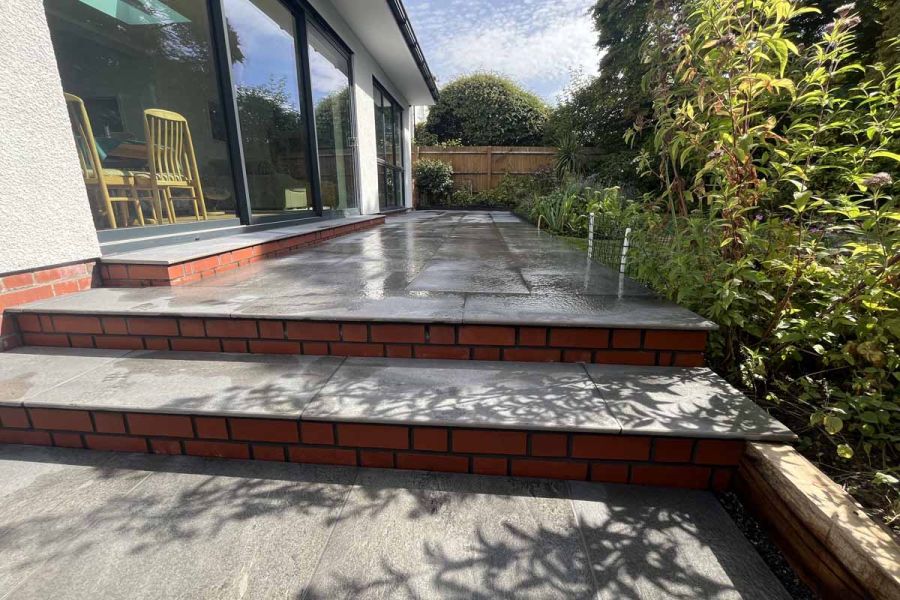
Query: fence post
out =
(591, 235)
(624, 250)
(490, 167)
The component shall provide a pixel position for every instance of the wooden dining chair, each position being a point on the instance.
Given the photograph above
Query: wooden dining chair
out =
(97, 178)
(172, 162)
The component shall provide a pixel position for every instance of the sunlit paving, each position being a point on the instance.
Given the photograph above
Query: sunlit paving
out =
(457, 299)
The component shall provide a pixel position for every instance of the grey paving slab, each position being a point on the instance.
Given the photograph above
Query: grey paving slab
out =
(175, 253)
(95, 301)
(682, 401)
(134, 526)
(418, 535)
(26, 372)
(485, 280)
(197, 383)
(588, 279)
(472, 394)
(415, 268)
(581, 310)
(82, 525)
(423, 307)
(651, 543)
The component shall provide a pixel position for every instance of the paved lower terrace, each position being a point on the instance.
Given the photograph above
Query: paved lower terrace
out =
(644, 425)
(81, 524)
(482, 286)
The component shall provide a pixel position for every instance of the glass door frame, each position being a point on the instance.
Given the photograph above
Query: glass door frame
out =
(314, 20)
(304, 16)
(380, 162)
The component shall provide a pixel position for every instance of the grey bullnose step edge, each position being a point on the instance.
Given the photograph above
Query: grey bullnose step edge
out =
(659, 401)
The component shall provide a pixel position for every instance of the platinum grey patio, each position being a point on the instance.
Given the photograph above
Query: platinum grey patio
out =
(79, 524)
(428, 266)
(572, 397)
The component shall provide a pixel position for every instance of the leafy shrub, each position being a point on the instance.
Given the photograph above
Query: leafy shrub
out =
(487, 110)
(434, 178)
(777, 170)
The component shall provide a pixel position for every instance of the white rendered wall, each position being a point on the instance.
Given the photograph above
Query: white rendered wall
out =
(45, 218)
(364, 69)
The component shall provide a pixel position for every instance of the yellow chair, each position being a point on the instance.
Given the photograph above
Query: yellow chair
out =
(96, 177)
(173, 165)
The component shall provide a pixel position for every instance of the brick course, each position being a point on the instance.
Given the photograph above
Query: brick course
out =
(364, 339)
(40, 284)
(676, 462)
(142, 275)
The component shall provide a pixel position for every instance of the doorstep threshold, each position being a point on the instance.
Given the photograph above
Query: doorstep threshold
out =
(170, 254)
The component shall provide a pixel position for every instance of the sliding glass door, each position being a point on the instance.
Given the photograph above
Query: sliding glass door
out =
(329, 69)
(262, 35)
(257, 94)
(389, 141)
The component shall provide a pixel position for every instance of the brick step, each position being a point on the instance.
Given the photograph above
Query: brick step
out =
(394, 339)
(641, 425)
(180, 264)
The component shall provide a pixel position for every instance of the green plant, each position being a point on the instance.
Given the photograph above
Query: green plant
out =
(568, 160)
(434, 179)
(487, 110)
(777, 167)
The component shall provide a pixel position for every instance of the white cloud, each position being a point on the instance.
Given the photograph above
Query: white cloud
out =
(537, 42)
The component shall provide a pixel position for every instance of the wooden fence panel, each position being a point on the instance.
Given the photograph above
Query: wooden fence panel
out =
(480, 168)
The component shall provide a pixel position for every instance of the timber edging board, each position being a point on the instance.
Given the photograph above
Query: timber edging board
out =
(828, 539)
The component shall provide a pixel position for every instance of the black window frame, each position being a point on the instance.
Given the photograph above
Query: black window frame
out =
(399, 166)
(304, 16)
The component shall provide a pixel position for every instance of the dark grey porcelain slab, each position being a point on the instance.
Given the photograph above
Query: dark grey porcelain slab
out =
(656, 543)
(176, 253)
(421, 535)
(82, 524)
(135, 526)
(463, 394)
(581, 311)
(245, 385)
(418, 267)
(26, 372)
(680, 401)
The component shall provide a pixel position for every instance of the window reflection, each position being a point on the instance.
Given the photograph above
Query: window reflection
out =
(330, 78)
(389, 139)
(263, 45)
(143, 102)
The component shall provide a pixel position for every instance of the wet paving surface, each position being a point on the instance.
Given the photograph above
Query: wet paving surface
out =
(430, 266)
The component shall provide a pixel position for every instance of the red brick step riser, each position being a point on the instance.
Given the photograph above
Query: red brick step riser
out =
(646, 460)
(368, 339)
(145, 275)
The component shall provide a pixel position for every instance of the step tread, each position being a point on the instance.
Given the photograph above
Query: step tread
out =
(666, 401)
(429, 307)
(177, 253)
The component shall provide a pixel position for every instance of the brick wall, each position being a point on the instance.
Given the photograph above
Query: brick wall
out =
(367, 339)
(647, 460)
(29, 286)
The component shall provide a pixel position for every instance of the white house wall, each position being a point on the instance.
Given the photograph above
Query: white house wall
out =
(364, 69)
(45, 218)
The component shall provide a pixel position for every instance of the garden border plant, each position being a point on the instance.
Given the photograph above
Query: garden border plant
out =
(775, 166)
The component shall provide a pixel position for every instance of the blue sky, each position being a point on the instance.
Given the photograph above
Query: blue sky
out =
(539, 43)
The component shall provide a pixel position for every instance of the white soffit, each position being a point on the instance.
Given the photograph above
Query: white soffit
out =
(375, 26)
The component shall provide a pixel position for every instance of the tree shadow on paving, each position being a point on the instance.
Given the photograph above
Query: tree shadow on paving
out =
(393, 534)
(626, 543)
(464, 393)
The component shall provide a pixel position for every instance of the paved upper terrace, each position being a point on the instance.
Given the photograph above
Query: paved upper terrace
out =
(467, 270)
